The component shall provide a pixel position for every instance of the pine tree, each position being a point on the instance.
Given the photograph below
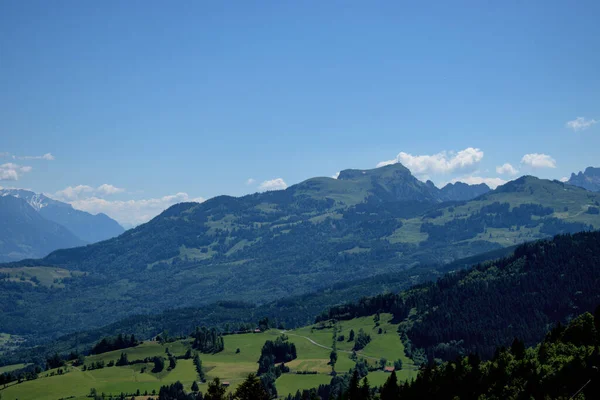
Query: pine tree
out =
(251, 389)
(215, 390)
(518, 349)
(333, 356)
(198, 364)
(365, 390)
(390, 389)
(354, 392)
(597, 323)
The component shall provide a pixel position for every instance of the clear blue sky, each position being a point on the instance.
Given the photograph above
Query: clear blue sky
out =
(158, 98)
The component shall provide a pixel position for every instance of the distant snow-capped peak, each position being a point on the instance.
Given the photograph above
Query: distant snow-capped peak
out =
(35, 200)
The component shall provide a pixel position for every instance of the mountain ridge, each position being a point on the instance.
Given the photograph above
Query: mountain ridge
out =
(276, 244)
(25, 233)
(88, 227)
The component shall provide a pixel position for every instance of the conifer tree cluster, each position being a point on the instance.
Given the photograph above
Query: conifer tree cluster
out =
(208, 340)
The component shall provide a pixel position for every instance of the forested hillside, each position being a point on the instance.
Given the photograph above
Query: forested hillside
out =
(289, 312)
(465, 316)
(268, 246)
(564, 365)
(478, 309)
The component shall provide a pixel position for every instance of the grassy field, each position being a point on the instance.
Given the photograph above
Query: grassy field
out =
(39, 276)
(229, 365)
(13, 367)
(387, 344)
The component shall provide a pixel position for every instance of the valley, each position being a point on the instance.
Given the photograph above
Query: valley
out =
(267, 246)
(299, 200)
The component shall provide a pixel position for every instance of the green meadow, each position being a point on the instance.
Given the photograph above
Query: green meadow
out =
(230, 365)
(13, 367)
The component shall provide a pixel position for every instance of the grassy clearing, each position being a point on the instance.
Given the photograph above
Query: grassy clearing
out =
(13, 367)
(409, 232)
(387, 344)
(290, 383)
(39, 276)
(229, 365)
(10, 342)
(356, 250)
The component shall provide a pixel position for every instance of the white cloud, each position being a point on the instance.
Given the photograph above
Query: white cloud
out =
(536, 160)
(71, 193)
(273, 184)
(4, 154)
(12, 172)
(250, 181)
(336, 175)
(108, 189)
(128, 212)
(388, 162)
(47, 157)
(581, 124)
(476, 180)
(507, 169)
(440, 163)
(564, 179)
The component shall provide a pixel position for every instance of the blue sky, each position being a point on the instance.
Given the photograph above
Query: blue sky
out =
(167, 102)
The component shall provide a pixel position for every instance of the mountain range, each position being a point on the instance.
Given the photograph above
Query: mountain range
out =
(45, 225)
(271, 245)
(25, 233)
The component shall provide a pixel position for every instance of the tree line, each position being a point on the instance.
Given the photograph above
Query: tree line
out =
(486, 306)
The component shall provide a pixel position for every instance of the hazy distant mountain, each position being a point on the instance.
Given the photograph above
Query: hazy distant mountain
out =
(24, 233)
(590, 179)
(460, 191)
(89, 228)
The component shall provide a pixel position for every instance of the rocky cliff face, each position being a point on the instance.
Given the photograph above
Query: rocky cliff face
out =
(590, 179)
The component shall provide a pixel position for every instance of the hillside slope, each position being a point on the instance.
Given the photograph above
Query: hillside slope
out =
(487, 306)
(233, 364)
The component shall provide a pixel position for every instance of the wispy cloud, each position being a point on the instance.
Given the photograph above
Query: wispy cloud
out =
(507, 169)
(109, 189)
(536, 160)
(12, 172)
(441, 163)
(273, 184)
(250, 181)
(47, 157)
(132, 212)
(127, 212)
(336, 175)
(71, 193)
(580, 124)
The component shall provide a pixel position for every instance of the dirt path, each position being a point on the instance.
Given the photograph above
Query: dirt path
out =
(328, 348)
